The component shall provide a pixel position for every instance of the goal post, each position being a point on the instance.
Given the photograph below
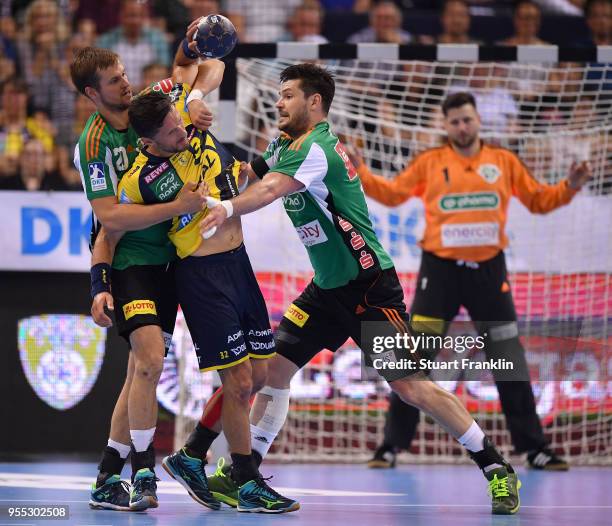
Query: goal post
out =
(551, 106)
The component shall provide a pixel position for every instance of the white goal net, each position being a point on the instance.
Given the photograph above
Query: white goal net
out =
(560, 264)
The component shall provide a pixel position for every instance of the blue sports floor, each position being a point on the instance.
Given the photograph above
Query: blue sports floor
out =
(330, 494)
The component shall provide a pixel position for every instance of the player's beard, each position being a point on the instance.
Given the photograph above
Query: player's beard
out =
(467, 142)
(115, 107)
(296, 125)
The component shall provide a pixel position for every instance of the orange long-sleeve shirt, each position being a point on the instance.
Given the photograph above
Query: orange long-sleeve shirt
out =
(466, 199)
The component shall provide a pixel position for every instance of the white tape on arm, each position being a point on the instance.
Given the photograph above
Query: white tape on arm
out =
(196, 94)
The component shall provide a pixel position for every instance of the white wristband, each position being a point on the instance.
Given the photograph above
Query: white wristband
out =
(229, 207)
(196, 94)
(212, 202)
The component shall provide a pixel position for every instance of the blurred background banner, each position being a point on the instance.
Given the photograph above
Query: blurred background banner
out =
(50, 232)
(45, 231)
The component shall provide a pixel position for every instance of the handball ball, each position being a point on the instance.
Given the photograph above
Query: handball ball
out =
(215, 37)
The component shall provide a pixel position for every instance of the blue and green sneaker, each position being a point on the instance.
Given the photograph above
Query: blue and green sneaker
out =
(144, 490)
(256, 496)
(189, 473)
(222, 486)
(114, 494)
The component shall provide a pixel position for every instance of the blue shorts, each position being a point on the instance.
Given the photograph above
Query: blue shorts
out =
(224, 309)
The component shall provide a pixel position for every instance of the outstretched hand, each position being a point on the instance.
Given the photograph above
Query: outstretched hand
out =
(580, 174)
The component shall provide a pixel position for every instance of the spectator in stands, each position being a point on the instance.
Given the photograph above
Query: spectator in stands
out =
(41, 48)
(32, 173)
(305, 25)
(7, 67)
(105, 15)
(197, 9)
(135, 42)
(17, 127)
(598, 15)
(172, 16)
(526, 19)
(8, 35)
(260, 21)
(154, 72)
(385, 26)
(455, 19)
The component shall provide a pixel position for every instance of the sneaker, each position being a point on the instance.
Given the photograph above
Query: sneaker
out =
(384, 458)
(189, 473)
(144, 488)
(546, 460)
(256, 496)
(504, 491)
(222, 486)
(114, 494)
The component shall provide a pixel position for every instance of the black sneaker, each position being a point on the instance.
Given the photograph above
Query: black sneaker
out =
(113, 494)
(545, 459)
(384, 458)
(144, 490)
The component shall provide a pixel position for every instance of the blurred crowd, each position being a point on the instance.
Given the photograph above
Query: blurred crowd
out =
(41, 115)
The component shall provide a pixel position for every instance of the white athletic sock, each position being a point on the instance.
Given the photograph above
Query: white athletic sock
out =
(141, 438)
(272, 420)
(122, 449)
(261, 440)
(473, 438)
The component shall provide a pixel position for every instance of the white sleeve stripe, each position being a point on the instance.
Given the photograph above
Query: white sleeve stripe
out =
(313, 167)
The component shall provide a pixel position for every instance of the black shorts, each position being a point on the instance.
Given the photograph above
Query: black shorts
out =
(224, 309)
(145, 295)
(326, 318)
(443, 285)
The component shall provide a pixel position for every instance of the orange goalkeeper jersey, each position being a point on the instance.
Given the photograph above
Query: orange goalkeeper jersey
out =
(466, 199)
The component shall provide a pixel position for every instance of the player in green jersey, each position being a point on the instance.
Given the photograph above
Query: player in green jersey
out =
(105, 150)
(354, 281)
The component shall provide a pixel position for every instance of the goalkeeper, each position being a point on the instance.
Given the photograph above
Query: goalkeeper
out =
(466, 186)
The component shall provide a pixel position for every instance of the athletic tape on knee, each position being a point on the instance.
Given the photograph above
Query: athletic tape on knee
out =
(276, 410)
(503, 332)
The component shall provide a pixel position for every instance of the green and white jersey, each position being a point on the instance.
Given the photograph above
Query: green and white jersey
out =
(102, 155)
(330, 214)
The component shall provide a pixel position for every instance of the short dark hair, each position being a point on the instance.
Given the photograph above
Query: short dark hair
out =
(313, 79)
(590, 3)
(521, 3)
(147, 112)
(87, 64)
(456, 100)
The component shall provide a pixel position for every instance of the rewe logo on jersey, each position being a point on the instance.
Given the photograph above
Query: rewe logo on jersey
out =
(294, 202)
(311, 233)
(61, 355)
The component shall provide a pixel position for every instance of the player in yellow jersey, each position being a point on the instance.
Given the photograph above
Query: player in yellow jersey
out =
(216, 287)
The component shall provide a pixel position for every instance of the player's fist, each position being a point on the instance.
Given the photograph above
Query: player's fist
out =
(580, 174)
(200, 114)
(101, 300)
(191, 199)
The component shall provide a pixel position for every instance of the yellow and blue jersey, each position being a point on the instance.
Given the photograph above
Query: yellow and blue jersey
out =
(153, 179)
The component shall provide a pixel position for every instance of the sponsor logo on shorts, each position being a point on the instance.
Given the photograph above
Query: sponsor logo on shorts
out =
(311, 233)
(470, 234)
(469, 201)
(489, 172)
(139, 307)
(96, 176)
(294, 202)
(296, 315)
